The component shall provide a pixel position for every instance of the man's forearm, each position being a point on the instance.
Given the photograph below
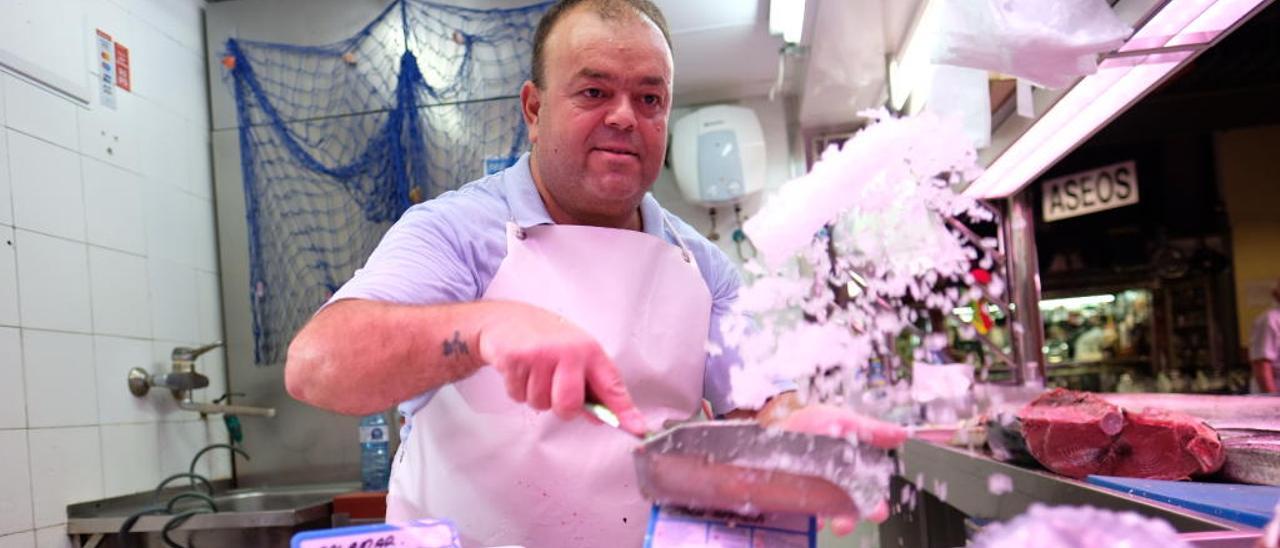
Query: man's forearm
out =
(1264, 374)
(357, 356)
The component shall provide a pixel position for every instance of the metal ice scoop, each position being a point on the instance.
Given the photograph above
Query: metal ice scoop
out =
(742, 467)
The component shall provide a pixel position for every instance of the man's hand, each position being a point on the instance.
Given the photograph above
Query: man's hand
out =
(839, 422)
(550, 363)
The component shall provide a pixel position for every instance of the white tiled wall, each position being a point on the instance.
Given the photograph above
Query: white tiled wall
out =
(107, 261)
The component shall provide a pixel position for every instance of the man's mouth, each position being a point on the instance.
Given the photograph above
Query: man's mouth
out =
(618, 150)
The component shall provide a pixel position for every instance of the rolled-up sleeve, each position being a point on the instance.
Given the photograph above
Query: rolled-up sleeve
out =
(717, 387)
(721, 357)
(420, 260)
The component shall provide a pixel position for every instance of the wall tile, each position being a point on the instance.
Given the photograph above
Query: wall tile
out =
(176, 77)
(13, 391)
(113, 358)
(15, 483)
(168, 222)
(130, 458)
(53, 282)
(204, 240)
(66, 468)
(39, 112)
(6, 189)
(179, 20)
(25, 539)
(112, 135)
(8, 277)
(48, 196)
(200, 161)
(53, 537)
(209, 307)
(114, 207)
(118, 283)
(174, 301)
(179, 442)
(107, 261)
(61, 387)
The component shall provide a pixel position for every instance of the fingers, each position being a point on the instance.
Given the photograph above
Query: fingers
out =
(880, 514)
(538, 391)
(568, 389)
(516, 377)
(838, 422)
(843, 525)
(606, 383)
(880, 434)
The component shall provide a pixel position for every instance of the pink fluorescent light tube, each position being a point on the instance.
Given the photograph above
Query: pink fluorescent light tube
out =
(1096, 99)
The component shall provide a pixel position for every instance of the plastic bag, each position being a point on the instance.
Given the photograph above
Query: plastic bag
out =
(1047, 42)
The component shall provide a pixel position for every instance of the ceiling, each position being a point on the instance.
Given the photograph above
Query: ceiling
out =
(723, 51)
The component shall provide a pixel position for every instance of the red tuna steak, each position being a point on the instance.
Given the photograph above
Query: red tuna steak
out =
(1077, 433)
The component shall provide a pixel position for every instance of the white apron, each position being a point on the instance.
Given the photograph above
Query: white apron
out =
(506, 474)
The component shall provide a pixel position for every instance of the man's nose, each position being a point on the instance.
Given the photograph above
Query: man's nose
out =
(621, 114)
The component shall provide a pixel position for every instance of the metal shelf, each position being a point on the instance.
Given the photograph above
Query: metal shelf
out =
(951, 492)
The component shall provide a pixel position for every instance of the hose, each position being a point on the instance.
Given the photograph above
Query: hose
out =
(208, 486)
(176, 522)
(190, 495)
(200, 453)
(133, 518)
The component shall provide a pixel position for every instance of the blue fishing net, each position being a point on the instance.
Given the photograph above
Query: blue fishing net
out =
(338, 140)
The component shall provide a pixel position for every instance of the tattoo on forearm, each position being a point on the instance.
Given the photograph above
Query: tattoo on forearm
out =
(455, 346)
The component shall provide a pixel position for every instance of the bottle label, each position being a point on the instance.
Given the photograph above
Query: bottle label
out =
(373, 434)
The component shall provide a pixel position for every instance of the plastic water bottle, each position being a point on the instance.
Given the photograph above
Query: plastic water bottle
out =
(375, 462)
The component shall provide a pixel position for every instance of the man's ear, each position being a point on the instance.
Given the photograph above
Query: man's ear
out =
(530, 103)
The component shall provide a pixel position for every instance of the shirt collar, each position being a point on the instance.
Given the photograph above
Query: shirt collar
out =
(528, 210)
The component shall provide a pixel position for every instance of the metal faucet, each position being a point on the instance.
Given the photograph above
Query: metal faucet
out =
(183, 379)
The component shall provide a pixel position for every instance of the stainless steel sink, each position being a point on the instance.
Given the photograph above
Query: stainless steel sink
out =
(263, 516)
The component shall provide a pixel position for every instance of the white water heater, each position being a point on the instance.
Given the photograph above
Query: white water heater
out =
(717, 154)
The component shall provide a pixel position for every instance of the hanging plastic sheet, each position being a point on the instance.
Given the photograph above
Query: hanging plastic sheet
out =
(965, 95)
(1048, 42)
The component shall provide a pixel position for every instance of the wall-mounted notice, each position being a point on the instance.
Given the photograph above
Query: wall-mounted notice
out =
(124, 79)
(107, 68)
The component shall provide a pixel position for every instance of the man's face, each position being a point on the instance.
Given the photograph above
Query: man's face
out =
(599, 125)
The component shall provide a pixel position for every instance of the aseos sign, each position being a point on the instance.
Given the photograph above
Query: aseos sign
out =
(1090, 191)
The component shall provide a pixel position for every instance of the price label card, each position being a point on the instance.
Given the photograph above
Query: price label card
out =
(415, 534)
(671, 526)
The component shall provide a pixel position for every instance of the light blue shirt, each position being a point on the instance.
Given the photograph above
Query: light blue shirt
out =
(448, 249)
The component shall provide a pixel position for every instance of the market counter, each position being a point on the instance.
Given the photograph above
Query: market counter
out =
(942, 496)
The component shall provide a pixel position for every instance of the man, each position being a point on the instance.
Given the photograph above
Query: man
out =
(1264, 347)
(571, 282)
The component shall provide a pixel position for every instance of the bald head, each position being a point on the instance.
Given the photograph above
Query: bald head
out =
(609, 10)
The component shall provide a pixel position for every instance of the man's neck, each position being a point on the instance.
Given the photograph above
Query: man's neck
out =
(561, 216)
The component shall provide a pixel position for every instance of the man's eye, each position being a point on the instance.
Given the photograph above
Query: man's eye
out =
(652, 100)
(593, 93)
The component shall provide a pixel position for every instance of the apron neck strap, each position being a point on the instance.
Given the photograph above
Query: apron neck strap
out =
(684, 249)
(515, 231)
